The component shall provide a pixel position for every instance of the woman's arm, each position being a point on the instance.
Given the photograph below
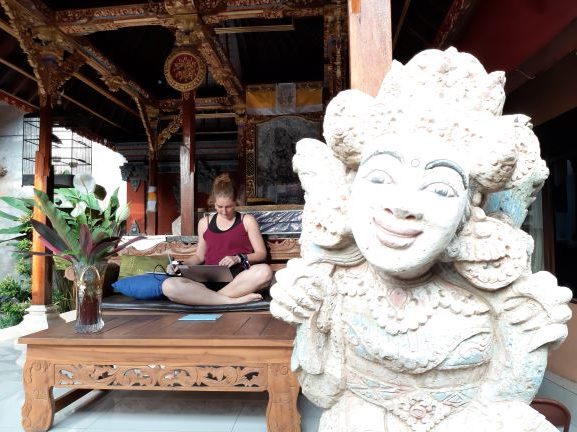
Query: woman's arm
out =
(198, 257)
(256, 240)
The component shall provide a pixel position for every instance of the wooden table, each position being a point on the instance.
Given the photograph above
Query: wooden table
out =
(240, 352)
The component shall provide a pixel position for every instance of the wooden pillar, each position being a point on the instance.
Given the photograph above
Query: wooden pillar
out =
(187, 165)
(335, 38)
(42, 265)
(152, 195)
(370, 43)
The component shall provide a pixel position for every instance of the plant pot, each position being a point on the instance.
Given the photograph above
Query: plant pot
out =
(88, 284)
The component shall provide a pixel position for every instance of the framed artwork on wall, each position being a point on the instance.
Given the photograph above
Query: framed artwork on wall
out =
(275, 144)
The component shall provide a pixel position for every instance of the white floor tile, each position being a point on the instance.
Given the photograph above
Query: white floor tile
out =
(252, 417)
(132, 411)
(310, 415)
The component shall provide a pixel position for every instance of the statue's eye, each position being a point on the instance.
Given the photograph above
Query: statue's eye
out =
(379, 177)
(441, 189)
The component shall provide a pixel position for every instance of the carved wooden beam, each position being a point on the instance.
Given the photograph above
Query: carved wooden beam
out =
(171, 13)
(112, 76)
(40, 39)
(105, 93)
(220, 68)
(191, 31)
(222, 10)
(45, 47)
(202, 104)
(8, 29)
(17, 102)
(149, 116)
(13, 100)
(90, 20)
(454, 22)
(173, 127)
(91, 111)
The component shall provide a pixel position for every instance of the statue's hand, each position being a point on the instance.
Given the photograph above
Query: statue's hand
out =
(540, 308)
(298, 294)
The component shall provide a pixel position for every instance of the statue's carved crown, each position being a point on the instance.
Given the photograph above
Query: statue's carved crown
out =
(448, 96)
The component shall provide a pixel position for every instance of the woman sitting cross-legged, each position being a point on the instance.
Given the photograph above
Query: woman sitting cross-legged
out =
(227, 238)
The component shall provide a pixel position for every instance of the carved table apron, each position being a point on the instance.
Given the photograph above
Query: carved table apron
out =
(240, 352)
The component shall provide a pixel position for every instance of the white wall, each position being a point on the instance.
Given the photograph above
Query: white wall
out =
(11, 183)
(106, 170)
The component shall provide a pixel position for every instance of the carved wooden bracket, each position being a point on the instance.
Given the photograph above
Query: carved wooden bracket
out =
(149, 117)
(171, 129)
(50, 53)
(134, 173)
(190, 30)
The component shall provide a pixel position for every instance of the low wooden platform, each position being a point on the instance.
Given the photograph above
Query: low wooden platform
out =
(239, 352)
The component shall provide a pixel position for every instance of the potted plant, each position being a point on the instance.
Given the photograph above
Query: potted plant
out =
(85, 232)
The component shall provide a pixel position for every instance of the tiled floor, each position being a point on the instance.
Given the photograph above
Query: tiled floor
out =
(155, 411)
(143, 411)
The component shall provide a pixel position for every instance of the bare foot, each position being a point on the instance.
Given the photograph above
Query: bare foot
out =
(246, 298)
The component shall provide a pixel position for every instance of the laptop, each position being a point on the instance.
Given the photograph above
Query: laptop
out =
(206, 273)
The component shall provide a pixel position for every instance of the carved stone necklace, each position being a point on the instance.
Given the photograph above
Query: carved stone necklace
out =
(399, 306)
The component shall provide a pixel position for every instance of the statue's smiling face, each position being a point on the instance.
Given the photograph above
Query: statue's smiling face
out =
(406, 206)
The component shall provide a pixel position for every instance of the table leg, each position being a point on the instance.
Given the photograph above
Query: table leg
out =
(38, 408)
(283, 388)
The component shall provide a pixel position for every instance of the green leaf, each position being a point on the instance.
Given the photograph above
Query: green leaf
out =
(69, 195)
(128, 243)
(99, 192)
(61, 263)
(57, 218)
(55, 242)
(17, 229)
(91, 201)
(81, 219)
(122, 213)
(98, 234)
(19, 237)
(114, 203)
(102, 250)
(105, 225)
(65, 257)
(9, 216)
(22, 204)
(85, 240)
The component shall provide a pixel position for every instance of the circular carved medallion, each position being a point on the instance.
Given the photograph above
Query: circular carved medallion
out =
(184, 70)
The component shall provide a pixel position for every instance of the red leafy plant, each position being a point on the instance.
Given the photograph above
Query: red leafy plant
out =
(89, 233)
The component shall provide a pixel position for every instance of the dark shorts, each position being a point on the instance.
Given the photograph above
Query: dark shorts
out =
(216, 286)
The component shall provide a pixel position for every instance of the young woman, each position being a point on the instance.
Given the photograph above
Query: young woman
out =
(227, 238)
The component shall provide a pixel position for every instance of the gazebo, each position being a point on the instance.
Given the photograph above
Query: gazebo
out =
(186, 89)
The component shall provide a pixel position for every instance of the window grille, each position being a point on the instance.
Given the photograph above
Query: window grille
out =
(71, 153)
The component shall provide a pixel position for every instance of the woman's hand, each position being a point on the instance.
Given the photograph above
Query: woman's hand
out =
(229, 261)
(172, 268)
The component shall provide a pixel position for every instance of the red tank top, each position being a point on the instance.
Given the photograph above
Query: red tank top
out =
(225, 243)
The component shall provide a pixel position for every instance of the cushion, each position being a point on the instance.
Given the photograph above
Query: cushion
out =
(120, 302)
(131, 265)
(143, 287)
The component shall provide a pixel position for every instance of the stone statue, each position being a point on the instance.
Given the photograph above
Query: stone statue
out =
(415, 307)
